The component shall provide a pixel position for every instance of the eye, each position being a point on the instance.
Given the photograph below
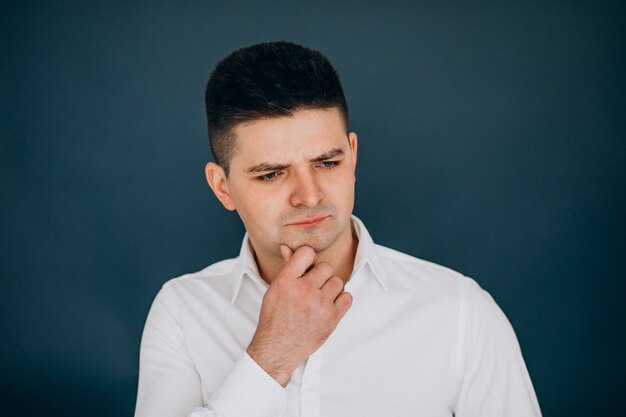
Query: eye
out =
(329, 164)
(269, 176)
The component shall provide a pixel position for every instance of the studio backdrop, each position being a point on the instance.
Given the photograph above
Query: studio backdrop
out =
(491, 141)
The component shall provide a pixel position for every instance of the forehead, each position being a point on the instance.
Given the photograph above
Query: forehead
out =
(286, 139)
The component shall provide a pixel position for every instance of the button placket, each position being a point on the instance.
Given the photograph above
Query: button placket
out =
(310, 391)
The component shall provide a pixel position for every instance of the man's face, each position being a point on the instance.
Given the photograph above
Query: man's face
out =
(292, 180)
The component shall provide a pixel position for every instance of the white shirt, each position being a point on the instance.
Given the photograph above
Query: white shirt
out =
(419, 340)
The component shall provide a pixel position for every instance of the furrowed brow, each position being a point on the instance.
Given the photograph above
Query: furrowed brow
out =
(264, 166)
(329, 155)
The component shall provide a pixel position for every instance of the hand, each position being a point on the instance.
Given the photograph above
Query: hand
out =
(300, 310)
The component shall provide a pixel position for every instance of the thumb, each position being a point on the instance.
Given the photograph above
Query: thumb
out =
(286, 252)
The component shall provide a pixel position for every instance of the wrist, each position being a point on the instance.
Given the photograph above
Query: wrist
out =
(280, 372)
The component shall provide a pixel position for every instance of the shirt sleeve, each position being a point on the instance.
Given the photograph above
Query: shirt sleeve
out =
(493, 379)
(170, 385)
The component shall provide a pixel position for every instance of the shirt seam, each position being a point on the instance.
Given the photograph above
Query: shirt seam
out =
(178, 317)
(461, 333)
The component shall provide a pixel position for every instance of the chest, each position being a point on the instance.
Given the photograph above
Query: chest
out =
(385, 358)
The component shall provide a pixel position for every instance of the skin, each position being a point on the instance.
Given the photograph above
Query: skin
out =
(285, 171)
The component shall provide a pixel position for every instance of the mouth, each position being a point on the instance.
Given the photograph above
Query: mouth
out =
(309, 221)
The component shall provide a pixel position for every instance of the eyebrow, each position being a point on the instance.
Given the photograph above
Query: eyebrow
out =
(266, 166)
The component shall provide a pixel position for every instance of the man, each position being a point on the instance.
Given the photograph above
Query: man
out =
(313, 318)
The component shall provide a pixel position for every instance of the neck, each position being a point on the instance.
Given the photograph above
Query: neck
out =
(340, 255)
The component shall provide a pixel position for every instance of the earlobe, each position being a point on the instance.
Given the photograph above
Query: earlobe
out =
(216, 178)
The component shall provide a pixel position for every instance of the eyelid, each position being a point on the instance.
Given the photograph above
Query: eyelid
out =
(263, 179)
(334, 162)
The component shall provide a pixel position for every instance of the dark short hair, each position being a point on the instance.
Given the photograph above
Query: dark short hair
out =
(266, 80)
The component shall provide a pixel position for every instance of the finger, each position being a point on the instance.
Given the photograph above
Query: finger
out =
(286, 252)
(332, 288)
(343, 303)
(301, 259)
(319, 274)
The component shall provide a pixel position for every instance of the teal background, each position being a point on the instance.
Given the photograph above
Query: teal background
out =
(491, 141)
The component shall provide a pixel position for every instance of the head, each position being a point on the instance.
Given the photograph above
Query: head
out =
(284, 158)
(263, 81)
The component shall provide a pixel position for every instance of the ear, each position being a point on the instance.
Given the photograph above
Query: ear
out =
(216, 177)
(352, 139)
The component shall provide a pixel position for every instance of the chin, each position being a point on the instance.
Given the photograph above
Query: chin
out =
(317, 243)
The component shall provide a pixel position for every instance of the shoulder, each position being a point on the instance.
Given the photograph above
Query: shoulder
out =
(438, 281)
(410, 270)
(478, 315)
(213, 281)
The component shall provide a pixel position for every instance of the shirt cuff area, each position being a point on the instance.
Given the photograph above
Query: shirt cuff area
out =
(248, 391)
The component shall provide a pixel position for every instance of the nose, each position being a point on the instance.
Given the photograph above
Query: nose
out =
(306, 191)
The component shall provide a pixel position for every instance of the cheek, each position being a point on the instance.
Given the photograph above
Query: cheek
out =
(259, 205)
(341, 189)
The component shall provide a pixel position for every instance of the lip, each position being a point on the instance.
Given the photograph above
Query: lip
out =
(308, 222)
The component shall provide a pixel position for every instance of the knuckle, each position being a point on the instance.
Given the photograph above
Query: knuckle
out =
(324, 268)
(346, 300)
(283, 275)
(307, 252)
(310, 251)
(334, 284)
(337, 281)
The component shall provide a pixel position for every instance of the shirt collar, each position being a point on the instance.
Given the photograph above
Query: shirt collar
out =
(366, 255)
(246, 265)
